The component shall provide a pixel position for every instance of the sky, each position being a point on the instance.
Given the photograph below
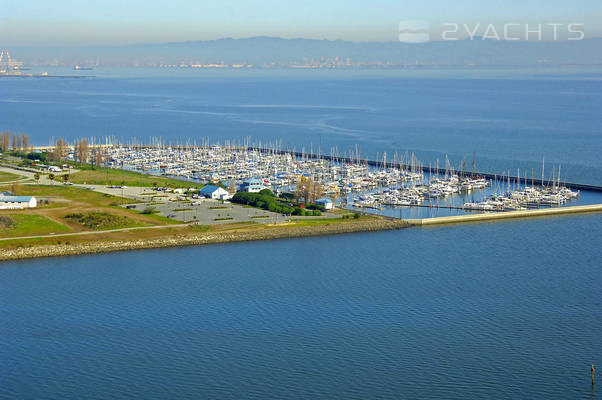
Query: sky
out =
(117, 22)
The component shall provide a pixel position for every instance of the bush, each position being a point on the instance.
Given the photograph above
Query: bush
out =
(263, 200)
(99, 220)
(287, 196)
(356, 216)
(267, 192)
(37, 156)
(316, 207)
(6, 222)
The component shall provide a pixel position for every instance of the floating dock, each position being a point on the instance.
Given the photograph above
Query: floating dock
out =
(455, 219)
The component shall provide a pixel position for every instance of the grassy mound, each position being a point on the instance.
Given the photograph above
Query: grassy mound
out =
(100, 220)
(6, 222)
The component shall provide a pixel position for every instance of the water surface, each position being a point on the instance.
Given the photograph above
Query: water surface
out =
(492, 310)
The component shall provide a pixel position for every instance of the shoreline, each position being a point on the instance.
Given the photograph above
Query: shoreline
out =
(271, 233)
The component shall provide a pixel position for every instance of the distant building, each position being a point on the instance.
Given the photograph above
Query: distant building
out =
(215, 192)
(17, 202)
(252, 185)
(327, 203)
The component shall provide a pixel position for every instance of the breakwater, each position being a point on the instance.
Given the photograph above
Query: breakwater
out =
(281, 231)
(505, 215)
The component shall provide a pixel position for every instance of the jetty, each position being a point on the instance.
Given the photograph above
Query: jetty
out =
(489, 216)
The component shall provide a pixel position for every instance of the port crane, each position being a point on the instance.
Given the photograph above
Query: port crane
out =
(7, 63)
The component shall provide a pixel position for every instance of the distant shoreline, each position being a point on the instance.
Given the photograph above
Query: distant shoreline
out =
(47, 76)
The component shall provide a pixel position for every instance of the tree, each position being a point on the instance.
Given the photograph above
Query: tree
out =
(36, 176)
(76, 152)
(84, 151)
(307, 190)
(66, 178)
(60, 150)
(98, 156)
(25, 142)
(51, 177)
(317, 191)
(5, 143)
(302, 189)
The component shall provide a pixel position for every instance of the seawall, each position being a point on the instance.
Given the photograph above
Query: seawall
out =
(271, 233)
(505, 215)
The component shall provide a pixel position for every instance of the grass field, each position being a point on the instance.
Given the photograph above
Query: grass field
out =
(109, 176)
(31, 225)
(66, 200)
(8, 177)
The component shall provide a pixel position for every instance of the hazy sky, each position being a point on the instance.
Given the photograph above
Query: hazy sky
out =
(83, 22)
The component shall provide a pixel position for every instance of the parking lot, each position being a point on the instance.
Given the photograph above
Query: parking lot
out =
(210, 212)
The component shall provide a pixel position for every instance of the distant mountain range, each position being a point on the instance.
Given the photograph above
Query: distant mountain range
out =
(275, 52)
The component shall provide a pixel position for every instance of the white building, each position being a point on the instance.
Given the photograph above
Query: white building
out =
(327, 203)
(17, 202)
(215, 192)
(252, 185)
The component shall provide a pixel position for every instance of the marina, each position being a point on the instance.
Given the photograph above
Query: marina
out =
(353, 182)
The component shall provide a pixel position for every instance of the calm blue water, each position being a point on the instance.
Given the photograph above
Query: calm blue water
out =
(510, 118)
(495, 310)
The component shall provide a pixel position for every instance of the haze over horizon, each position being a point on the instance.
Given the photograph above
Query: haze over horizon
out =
(112, 22)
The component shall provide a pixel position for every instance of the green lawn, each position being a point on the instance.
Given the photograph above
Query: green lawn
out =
(109, 176)
(73, 193)
(8, 177)
(31, 225)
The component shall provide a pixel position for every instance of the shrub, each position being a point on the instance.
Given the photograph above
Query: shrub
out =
(356, 215)
(263, 200)
(99, 220)
(316, 207)
(149, 210)
(6, 222)
(287, 196)
(267, 192)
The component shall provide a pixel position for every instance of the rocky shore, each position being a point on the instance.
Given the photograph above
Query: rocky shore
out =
(274, 232)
